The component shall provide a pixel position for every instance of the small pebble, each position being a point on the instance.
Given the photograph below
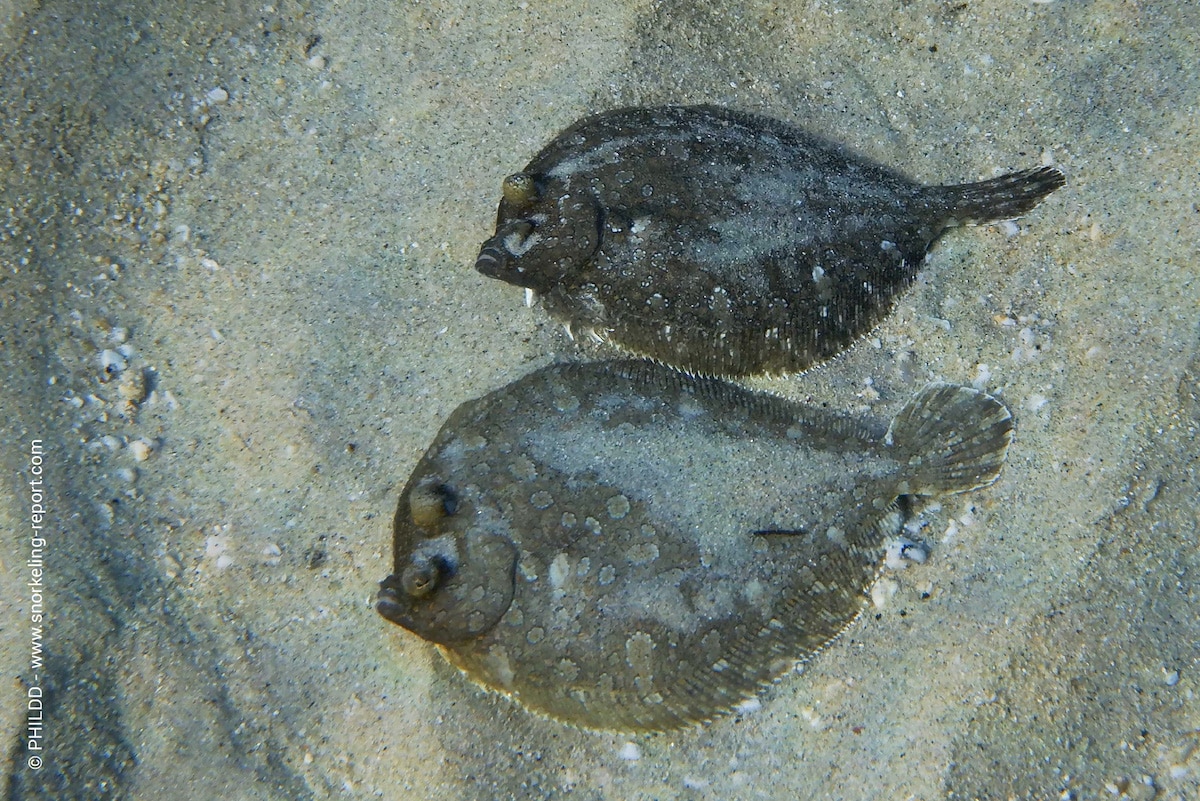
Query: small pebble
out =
(813, 718)
(1036, 402)
(132, 389)
(1143, 789)
(141, 449)
(1181, 753)
(217, 96)
(317, 62)
(272, 554)
(170, 566)
(901, 550)
(216, 547)
(883, 591)
(111, 363)
(630, 752)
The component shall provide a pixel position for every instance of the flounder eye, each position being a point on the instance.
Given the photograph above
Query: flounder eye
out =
(520, 189)
(430, 501)
(421, 578)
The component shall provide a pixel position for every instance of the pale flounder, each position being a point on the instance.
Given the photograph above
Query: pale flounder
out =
(725, 243)
(621, 546)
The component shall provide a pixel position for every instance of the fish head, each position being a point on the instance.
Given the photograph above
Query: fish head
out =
(544, 231)
(454, 576)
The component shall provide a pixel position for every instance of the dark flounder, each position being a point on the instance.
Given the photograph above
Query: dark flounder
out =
(567, 541)
(725, 243)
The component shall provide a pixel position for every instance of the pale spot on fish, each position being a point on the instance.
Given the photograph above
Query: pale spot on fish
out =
(517, 245)
(720, 300)
(639, 653)
(522, 469)
(560, 569)
(499, 666)
(618, 507)
(567, 670)
(754, 591)
(643, 553)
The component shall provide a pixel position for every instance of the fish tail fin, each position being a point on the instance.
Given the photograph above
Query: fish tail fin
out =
(953, 438)
(1000, 198)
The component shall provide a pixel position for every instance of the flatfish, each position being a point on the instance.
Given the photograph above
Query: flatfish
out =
(621, 546)
(725, 243)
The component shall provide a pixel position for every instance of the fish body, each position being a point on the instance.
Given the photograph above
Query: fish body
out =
(621, 546)
(725, 243)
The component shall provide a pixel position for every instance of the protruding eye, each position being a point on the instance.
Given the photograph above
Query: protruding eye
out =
(430, 501)
(520, 189)
(421, 578)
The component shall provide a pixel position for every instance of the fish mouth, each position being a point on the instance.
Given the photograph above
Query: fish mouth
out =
(387, 601)
(471, 593)
(500, 256)
(494, 261)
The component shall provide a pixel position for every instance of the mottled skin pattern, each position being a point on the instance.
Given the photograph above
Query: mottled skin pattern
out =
(568, 542)
(725, 243)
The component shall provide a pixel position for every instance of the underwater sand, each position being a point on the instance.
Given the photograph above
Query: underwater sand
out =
(269, 214)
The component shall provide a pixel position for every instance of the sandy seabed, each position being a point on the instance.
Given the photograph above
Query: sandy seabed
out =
(236, 300)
